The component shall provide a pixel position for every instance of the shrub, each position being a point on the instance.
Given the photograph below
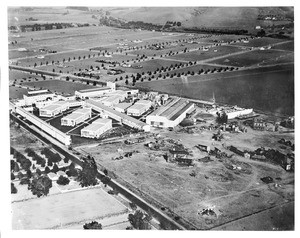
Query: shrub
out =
(25, 180)
(13, 188)
(63, 180)
(12, 176)
(40, 186)
(92, 225)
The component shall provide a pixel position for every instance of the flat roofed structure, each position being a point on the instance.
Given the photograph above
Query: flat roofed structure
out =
(54, 109)
(171, 114)
(139, 108)
(112, 100)
(97, 128)
(35, 96)
(121, 107)
(96, 92)
(123, 118)
(76, 117)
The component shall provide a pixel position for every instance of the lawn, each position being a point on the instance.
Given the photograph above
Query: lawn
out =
(16, 92)
(57, 210)
(286, 46)
(59, 86)
(250, 58)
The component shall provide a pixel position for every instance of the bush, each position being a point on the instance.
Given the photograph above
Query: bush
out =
(25, 180)
(140, 220)
(12, 176)
(13, 188)
(63, 180)
(92, 225)
(40, 186)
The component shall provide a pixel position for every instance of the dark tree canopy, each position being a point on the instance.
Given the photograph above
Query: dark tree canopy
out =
(40, 186)
(63, 180)
(140, 220)
(13, 188)
(92, 225)
(88, 175)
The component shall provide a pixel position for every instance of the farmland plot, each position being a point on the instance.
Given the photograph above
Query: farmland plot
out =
(250, 58)
(55, 211)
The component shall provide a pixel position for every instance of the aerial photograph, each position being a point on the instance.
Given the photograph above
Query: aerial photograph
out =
(151, 118)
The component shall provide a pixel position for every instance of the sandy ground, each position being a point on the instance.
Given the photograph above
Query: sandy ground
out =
(232, 194)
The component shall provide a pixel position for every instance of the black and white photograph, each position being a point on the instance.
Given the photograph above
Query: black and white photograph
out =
(150, 117)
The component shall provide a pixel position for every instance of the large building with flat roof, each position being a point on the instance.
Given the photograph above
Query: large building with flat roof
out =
(38, 95)
(76, 117)
(171, 114)
(96, 92)
(123, 118)
(139, 108)
(97, 128)
(54, 109)
(122, 107)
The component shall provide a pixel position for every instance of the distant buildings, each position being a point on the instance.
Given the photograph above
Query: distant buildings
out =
(39, 95)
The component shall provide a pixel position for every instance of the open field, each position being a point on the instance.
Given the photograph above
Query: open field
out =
(59, 86)
(268, 89)
(265, 41)
(16, 92)
(230, 193)
(286, 46)
(250, 58)
(202, 55)
(151, 65)
(55, 211)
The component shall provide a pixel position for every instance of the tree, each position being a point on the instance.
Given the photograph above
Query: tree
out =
(47, 170)
(140, 220)
(55, 168)
(13, 188)
(92, 225)
(221, 118)
(62, 180)
(88, 175)
(25, 180)
(126, 82)
(12, 176)
(40, 186)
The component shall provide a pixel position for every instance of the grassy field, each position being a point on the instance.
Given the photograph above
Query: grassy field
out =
(202, 55)
(250, 58)
(265, 41)
(16, 92)
(151, 65)
(59, 86)
(270, 89)
(286, 46)
(55, 211)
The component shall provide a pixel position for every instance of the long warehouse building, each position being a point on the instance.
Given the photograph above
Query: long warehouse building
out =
(57, 134)
(97, 128)
(123, 118)
(171, 114)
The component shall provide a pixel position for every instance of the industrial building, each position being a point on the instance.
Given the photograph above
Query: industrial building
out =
(111, 100)
(46, 127)
(171, 114)
(54, 109)
(97, 128)
(76, 117)
(35, 96)
(123, 118)
(234, 112)
(96, 92)
(122, 107)
(139, 108)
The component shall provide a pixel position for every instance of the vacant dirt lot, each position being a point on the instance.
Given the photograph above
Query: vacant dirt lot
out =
(232, 194)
